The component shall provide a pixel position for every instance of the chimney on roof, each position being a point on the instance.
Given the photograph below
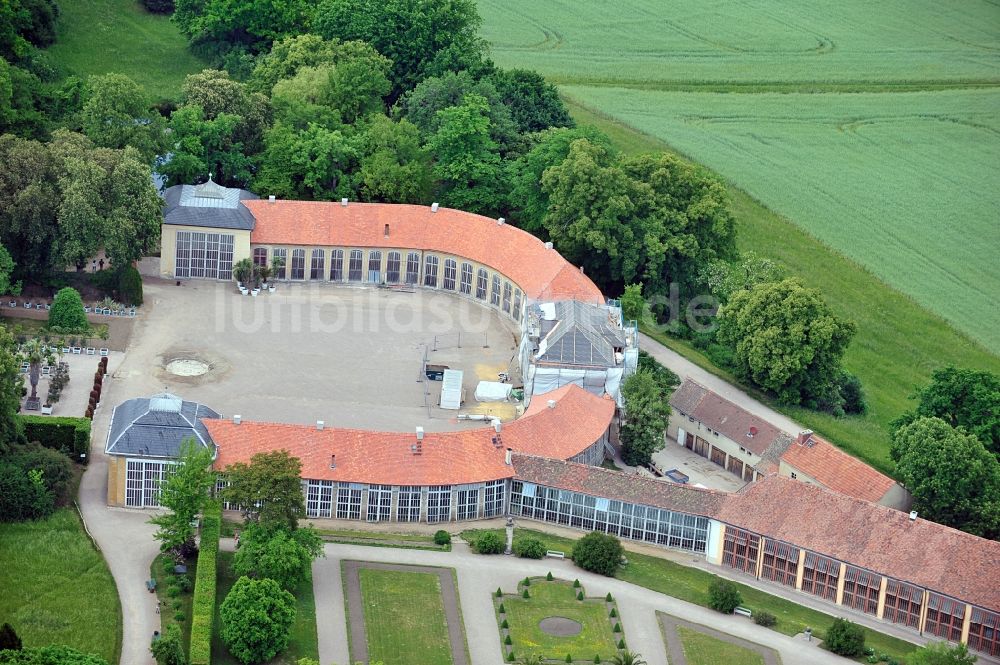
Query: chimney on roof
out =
(497, 425)
(386, 230)
(805, 437)
(434, 207)
(506, 457)
(343, 201)
(320, 425)
(582, 272)
(552, 403)
(271, 199)
(548, 245)
(420, 433)
(333, 461)
(501, 221)
(913, 516)
(237, 419)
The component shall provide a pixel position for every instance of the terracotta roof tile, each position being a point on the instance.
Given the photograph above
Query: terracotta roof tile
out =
(834, 469)
(542, 273)
(617, 485)
(869, 536)
(446, 458)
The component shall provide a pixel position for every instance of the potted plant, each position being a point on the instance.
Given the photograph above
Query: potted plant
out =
(35, 353)
(265, 273)
(277, 266)
(243, 273)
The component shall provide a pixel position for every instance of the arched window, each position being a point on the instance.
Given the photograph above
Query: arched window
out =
(337, 265)
(450, 268)
(316, 269)
(375, 266)
(495, 291)
(260, 256)
(517, 304)
(355, 266)
(412, 267)
(506, 296)
(392, 267)
(482, 279)
(466, 286)
(431, 271)
(281, 254)
(298, 264)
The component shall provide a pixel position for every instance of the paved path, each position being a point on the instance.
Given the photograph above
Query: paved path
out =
(675, 648)
(449, 595)
(684, 368)
(478, 575)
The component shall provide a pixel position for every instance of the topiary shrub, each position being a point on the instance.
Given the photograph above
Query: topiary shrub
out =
(529, 548)
(621, 644)
(618, 627)
(599, 553)
(765, 619)
(576, 584)
(502, 609)
(608, 597)
(527, 581)
(845, 638)
(504, 624)
(508, 641)
(499, 592)
(579, 595)
(525, 594)
(510, 657)
(569, 658)
(489, 542)
(66, 313)
(597, 658)
(548, 576)
(614, 613)
(442, 538)
(724, 596)
(130, 286)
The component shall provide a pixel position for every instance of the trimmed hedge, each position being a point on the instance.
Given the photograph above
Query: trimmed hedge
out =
(203, 608)
(67, 435)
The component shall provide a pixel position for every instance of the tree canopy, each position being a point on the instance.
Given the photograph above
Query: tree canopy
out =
(786, 340)
(277, 553)
(184, 494)
(257, 616)
(66, 313)
(954, 480)
(646, 415)
(269, 489)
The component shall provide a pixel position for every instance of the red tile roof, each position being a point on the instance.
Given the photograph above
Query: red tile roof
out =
(870, 536)
(836, 470)
(542, 273)
(446, 458)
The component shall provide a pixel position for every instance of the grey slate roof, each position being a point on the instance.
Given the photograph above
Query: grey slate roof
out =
(157, 426)
(209, 205)
(580, 335)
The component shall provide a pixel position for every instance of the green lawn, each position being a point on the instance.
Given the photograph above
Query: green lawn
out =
(898, 343)
(691, 584)
(558, 599)
(103, 36)
(702, 649)
(302, 642)
(404, 618)
(55, 587)
(173, 602)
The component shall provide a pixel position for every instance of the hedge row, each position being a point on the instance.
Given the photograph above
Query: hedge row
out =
(67, 435)
(203, 611)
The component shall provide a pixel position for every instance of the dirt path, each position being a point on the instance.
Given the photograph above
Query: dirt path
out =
(675, 649)
(356, 618)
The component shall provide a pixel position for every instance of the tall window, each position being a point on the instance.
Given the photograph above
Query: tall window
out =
(260, 256)
(412, 267)
(493, 498)
(820, 575)
(495, 291)
(142, 482)
(349, 501)
(316, 269)
(200, 254)
(354, 268)
(337, 265)
(482, 281)
(466, 285)
(319, 498)
(408, 504)
(740, 550)
(393, 267)
(468, 503)
(439, 503)
(902, 603)
(781, 562)
(430, 271)
(298, 264)
(506, 297)
(450, 269)
(984, 631)
(379, 503)
(225, 256)
(517, 304)
(281, 254)
(861, 590)
(375, 266)
(944, 617)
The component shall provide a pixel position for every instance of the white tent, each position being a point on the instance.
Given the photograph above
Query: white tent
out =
(451, 389)
(491, 391)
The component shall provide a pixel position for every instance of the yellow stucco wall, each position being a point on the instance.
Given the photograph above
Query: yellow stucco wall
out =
(116, 481)
(168, 244)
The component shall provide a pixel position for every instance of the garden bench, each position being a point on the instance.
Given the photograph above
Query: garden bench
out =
(151, 585)
(555, 554)
(743, 612)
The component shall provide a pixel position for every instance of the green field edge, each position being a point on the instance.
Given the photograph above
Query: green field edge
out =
(747, 87)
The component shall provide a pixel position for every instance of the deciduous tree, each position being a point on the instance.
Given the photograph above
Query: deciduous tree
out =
(66, 313)
(11, 382)
(269, 489)
(646, 415)
(220, 26)
(953, 478)
(184, 493)
(395, 168)
(534, 103)
(599, 553)
(257, 616)
(942, 653)
(116, 114)
(277, 553)
(7, 285)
